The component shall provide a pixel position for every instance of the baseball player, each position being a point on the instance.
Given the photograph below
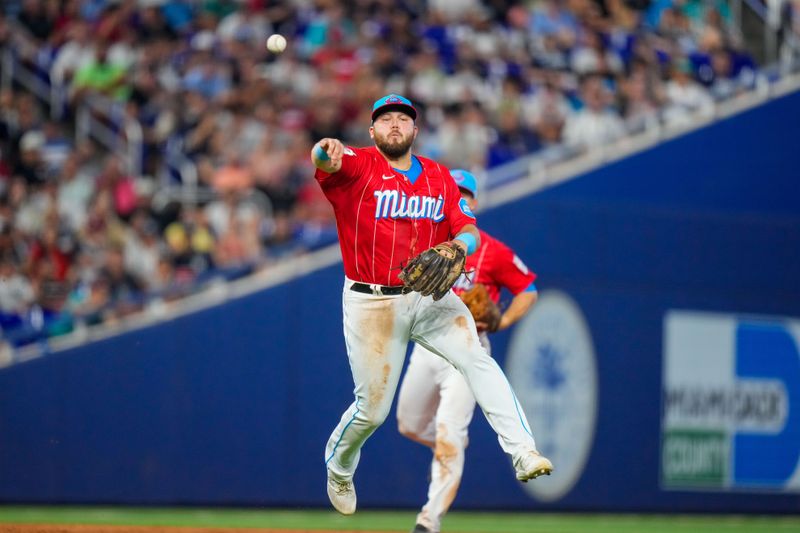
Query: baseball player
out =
(435, 404)
(392, 209)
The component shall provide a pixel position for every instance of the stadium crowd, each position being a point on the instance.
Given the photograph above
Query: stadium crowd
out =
(83, 240)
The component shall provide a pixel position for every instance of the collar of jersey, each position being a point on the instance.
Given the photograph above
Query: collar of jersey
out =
(412, 173)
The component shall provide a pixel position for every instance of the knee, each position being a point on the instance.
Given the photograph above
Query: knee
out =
(448, 449)
(407, 430)
(451, 439)
(374, 417)
(411, 422)
(417, 430)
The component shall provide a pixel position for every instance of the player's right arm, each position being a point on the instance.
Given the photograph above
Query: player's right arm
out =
(519, 307)
(513, 274)
(327, 155)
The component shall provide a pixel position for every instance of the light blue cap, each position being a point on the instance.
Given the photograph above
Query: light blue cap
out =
(395, 101)
(465, 180)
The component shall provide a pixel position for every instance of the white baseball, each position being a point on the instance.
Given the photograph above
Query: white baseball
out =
(276, 43)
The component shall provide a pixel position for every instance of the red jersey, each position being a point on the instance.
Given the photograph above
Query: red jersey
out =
(383, 219)
(495, 265)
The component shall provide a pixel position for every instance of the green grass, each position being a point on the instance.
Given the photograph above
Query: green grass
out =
(401, 522)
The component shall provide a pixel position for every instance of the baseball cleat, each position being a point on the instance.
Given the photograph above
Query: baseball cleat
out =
(532, 465)
(419, 528)
(342, 495)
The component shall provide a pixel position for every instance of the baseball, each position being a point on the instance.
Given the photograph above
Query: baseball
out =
(276, 43)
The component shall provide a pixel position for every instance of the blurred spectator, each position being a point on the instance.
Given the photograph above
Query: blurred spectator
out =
(595, 124)
(315, 220)
(121, 187)
(88, 302)
(16, 293)
(151, 24)
(547, 105)
(208, 77)
(233, 175)
(142, 249)
(190, 243)
(239, 245)
(76, 53)
(74, 192)
(249, 24)
(675, 26)
(552, 19)
(31, 165)
(125, 291)
(514, 139)
(37, 21)
(685, 97)
(100, 76)
(56, 147)
(724, 82)
(464, 136)
(591, 56)
(23, 117)
(551, 55)
(453, 10)
(5, 173)
(789, 34)
(54, 251)
(640, 95)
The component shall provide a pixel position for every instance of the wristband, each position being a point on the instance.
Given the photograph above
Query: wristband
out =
(469, 240)
(321, 154)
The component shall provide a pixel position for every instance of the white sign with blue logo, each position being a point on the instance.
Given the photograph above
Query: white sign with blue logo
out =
(731, 393)
(551, 365)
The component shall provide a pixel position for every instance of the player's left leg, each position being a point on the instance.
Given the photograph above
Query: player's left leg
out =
(447, 329)
(453, 416)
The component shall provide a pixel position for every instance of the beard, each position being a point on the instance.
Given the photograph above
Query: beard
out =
(393, 148)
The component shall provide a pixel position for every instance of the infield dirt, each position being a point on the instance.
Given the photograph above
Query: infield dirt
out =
(79, 528)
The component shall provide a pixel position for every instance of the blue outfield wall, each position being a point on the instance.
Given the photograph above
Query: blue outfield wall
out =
(683, 261)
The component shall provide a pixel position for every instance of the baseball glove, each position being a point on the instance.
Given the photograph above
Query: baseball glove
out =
(483, 309)
(435, 270)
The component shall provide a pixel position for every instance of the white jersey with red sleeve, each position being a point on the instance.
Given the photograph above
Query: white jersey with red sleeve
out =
(383, 219)
(495, 265)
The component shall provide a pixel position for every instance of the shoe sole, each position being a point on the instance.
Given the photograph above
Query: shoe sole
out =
(340, 511)
(544, 471)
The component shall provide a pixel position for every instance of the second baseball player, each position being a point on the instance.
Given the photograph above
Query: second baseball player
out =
(435, 404)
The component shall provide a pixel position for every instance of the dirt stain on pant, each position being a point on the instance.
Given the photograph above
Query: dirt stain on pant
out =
(445, 451)
(463, 325)
(444, 454)
(377, 330)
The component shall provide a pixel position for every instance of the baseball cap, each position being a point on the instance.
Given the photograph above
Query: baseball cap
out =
(465, 180)
(393, 102)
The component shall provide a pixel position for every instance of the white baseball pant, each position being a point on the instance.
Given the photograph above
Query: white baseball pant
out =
(377, 330)
(434, 407)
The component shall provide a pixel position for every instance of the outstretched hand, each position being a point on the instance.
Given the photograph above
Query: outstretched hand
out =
(327, 154)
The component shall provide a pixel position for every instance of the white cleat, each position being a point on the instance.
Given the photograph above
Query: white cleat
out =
(342, 495)
(532, 465)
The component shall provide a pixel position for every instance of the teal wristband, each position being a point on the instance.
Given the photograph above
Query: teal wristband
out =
(321, 154)
(469, 240)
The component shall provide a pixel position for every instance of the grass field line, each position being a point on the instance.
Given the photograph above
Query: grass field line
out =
(400, 521)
